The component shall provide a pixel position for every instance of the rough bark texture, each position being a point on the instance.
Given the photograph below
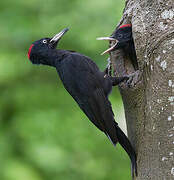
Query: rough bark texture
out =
(149, 105)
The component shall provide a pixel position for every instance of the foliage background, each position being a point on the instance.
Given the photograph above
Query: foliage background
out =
(43, 133)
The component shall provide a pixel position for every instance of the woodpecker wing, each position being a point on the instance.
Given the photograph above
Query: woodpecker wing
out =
(82, 79)
(103, 113)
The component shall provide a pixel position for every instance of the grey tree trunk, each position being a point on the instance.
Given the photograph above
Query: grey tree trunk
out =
(149, 104)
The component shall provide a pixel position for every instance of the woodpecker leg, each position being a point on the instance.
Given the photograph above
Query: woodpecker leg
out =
(131, 79)
(117, 80)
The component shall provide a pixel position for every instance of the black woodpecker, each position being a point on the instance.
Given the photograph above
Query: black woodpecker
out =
(122, 38)
(86, 84)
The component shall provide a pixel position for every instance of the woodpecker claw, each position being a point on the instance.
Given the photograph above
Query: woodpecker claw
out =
(133, 79)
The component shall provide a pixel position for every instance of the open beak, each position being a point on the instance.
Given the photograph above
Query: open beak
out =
(109, 39)
(53, 42)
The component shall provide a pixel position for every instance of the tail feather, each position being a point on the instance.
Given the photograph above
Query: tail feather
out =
(125, 143)
(113, 142)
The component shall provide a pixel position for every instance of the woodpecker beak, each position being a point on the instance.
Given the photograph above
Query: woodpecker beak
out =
(53, 42)
(109, 39)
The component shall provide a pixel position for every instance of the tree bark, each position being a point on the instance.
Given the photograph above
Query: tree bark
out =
(149, 104)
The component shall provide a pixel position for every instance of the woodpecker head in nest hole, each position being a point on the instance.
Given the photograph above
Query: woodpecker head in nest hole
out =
(122, 39)
(121, 36)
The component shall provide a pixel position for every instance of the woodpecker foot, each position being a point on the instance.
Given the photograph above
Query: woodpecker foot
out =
(133, 79)
(117, 80)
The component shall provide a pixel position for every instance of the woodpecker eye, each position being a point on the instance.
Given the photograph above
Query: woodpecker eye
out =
(44, 41)
(120, 36)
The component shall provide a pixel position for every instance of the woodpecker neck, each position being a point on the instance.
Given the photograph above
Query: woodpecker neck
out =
(48, 57)
(53, 56)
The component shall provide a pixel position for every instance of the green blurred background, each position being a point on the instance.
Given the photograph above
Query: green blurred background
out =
(43, 133)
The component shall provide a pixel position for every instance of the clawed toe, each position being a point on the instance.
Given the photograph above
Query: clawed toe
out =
(129, 81)
(133, 79)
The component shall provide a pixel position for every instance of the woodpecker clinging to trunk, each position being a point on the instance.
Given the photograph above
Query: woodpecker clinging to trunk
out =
(122, 38)
(86, 84)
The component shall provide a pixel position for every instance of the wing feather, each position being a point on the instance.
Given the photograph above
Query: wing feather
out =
(83, 81)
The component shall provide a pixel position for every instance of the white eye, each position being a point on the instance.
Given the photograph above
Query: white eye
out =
(44, 41)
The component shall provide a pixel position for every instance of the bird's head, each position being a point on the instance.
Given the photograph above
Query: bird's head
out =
(121, 35)
(40, 48)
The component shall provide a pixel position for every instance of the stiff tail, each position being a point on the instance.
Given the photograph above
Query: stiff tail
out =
(125, 143)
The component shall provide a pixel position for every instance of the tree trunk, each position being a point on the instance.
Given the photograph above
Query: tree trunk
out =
(149, 105)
